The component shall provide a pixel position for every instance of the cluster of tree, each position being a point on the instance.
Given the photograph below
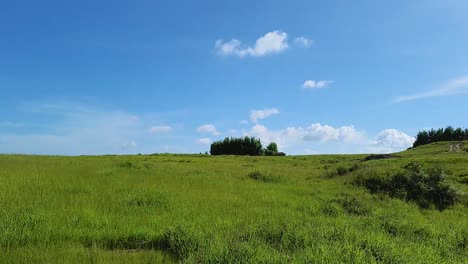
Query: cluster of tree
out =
(243, 146)
(448, 134)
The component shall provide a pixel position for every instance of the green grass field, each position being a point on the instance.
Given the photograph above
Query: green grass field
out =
(222, 209)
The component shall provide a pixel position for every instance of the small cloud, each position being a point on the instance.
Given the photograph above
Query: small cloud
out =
(303, 42)
(256, 115)
(311, 84)
(208, 128)
(271, 42)
(160, 129)
(204, 141)
(244, 122)
(452, 87)
(129, 145)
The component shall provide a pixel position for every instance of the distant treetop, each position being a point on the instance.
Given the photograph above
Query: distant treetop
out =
(448, 134)
(243, 146)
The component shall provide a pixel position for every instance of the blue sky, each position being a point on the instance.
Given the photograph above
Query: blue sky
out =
(96, 77)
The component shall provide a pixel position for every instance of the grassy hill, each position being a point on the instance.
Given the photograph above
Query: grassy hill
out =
(223, 209)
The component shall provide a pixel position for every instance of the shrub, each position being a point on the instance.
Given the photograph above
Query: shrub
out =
(272, 147)
(237, 146)
(244, 146)
(263, 177)
(341, 171)
(424, 186)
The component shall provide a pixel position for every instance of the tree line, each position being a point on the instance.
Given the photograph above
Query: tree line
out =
(244, 146)
(442, 134)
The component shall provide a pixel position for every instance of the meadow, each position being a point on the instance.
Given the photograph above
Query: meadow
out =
(224, 209)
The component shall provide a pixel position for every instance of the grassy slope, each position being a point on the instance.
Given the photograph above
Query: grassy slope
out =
(171, 208)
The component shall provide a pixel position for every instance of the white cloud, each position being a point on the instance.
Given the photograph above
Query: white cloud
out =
(311, 84)
(303, 41)
(346, 138)
(313, 133)
(324, 133)
(208, 128)
(244, 122)
(83, 128)
(256, 115)
(451, 87)
(160, 129)
(77, 129)
(391, 140)
(271, 42)
(204, 141)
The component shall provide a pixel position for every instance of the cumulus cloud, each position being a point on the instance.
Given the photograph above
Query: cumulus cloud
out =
(313, 133)
(208, 128)
(303, 42)
(452, 87)
(244, 122)
(256, 115)
(204, 141)
(311, 84)
(347, 138)
(391, 140)
(318, 132)
(270, 43)
(160, 129)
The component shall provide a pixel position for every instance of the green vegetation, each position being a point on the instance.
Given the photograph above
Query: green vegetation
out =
(424, 186)
(244, 146)
(230, 209)
(237, 146)
(448, 134)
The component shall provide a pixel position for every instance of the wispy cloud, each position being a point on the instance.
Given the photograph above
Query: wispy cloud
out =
(75, 128)
(256, 115)
(208, 128)
(303, 42)
(160, 129)
(311, 84)
(451, 87)
(271, 42)
(204, 141)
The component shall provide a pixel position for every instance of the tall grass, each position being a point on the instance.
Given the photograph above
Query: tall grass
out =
(199, 209)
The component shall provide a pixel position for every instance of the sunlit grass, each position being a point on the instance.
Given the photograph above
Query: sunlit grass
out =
(224, 209)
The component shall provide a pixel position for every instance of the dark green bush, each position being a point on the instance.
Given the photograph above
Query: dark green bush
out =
(272, 148)
(424, 186)
(341, 171)
(263, 177)
(237, 146)
(244, 146)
